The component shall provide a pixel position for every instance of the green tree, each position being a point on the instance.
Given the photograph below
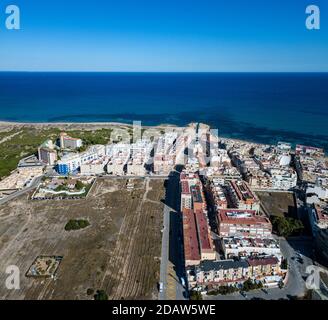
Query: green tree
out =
(195, 295)
(286, 227)
(101, 295)
(249, 285)
(76, 224)
(284, 264)
(79, 185)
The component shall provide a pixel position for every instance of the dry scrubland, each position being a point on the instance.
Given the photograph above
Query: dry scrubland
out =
(119, 252)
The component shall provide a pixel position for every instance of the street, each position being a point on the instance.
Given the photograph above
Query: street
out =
(172, 263)
(18, 193)
(295, 286)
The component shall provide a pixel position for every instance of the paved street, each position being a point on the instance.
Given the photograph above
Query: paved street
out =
(172, 264)
(165, 252)
(295, 285)
(21, 192)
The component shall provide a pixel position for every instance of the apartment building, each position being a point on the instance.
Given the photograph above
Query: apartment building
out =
(198, 244)
(67, 142)
(245, 247)
(165, 153)
(190, 240)
(47, 156)
(234, 272)
(217, 194)
(243, 223)
(71, 162)
(242, 197)
(221, 272)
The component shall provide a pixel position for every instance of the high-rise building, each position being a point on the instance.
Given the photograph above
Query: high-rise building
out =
(47, 156)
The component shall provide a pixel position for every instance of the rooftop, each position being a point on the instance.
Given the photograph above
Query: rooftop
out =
(208, 265)
(191, 246)
(235, 216)
(204, 237)
(243, 191)
(262, 261)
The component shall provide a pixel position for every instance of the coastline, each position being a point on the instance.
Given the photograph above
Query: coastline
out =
(9, 125)
(5, 125)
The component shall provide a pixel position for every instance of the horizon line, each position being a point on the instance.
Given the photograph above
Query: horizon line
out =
(90, 71)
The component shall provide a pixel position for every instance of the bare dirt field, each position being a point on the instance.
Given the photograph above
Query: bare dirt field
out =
(278, 203)
(119, 252)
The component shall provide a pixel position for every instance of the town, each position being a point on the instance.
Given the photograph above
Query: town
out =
(241, 220)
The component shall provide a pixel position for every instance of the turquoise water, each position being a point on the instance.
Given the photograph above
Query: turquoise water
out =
(263, 107)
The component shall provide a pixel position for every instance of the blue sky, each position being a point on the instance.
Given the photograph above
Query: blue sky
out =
(164, 35)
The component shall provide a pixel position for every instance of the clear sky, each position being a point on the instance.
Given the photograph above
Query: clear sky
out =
(164, 35)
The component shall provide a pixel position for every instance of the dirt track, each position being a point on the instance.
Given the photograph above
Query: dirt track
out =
(119, 252)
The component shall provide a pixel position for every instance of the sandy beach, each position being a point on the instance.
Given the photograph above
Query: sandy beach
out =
(7, 125)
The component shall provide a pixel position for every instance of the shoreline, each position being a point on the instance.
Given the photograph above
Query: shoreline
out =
(6, 126)
(82, 125)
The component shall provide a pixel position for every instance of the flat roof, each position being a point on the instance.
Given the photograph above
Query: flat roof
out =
(243, 191)
(262, 261)
(185, 187)
(190, 240)
(204, 237)
(208, 265)
(321, 213)
(196, 194)
(236, 216)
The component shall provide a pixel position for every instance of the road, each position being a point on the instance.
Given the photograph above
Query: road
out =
(295, 286)
(165, 251)
(21, 192)
(114, 177)
(172, 263)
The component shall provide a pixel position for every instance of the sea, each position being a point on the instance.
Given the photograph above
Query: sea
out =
(259, 107)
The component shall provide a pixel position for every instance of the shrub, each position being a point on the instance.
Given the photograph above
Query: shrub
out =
(76, 224)
(90, 292)
(195, 295)
(101, 295)
(286, 227)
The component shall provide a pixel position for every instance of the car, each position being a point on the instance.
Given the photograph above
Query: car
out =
(161, 287)
(183, 282)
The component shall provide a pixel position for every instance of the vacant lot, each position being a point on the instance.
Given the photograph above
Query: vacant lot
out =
(119, 252)
(278, 203)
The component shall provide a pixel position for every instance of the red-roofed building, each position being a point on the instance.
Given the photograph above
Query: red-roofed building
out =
(263, 266)
(186, 199)
(243, 223)
(204, 236)
(190, 240)
(242, 197)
